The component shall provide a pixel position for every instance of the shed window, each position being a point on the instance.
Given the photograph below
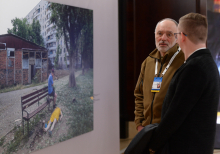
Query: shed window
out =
(10, 52)
(38, 55)
(38, 63)
(31, 54)
(25, 63)
(25, 55)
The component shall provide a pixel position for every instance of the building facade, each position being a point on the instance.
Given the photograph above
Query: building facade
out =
(21, 61)
(42, 13)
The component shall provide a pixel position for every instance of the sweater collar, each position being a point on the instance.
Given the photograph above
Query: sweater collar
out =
(156, 53)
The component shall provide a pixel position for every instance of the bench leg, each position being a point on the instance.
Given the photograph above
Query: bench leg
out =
(28, 127)
(48, 106)
(23, 125)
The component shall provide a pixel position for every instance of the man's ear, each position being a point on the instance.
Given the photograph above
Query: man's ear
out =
(183, 37)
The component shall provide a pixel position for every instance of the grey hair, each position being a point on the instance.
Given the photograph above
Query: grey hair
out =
(176, 23)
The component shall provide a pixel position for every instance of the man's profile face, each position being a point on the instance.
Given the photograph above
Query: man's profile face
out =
(164, 35)
(179, 36)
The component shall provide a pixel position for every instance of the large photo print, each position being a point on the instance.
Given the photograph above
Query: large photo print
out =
(46, 77)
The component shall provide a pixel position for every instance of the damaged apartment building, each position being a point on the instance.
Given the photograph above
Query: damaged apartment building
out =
(21, 61)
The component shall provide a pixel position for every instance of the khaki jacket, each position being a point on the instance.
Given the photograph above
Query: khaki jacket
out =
(148, 105)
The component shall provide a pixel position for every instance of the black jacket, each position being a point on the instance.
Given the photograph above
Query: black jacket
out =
(190, 108)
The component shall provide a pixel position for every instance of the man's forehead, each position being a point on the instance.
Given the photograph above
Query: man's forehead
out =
(166, 25)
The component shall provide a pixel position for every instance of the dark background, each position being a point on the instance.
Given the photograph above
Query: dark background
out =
(137, 22)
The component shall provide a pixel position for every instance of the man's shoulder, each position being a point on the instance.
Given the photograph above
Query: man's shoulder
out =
(148, 59)
(50, 76)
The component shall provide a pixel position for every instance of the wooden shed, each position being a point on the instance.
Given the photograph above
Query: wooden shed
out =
(21, 61)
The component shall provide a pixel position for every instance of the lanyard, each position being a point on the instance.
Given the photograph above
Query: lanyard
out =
(170, 62)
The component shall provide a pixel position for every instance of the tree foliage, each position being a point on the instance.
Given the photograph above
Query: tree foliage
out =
(31, 32)
(87, 45)
(69, 22)
(57, 56)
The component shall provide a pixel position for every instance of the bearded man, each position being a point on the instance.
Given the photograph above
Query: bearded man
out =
(156, 73)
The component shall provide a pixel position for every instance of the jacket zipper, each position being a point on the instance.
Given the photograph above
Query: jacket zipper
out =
(154, 96)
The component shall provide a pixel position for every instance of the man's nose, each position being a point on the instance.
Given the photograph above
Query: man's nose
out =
(164, 37)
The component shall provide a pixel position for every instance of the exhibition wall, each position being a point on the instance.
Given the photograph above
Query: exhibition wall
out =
(79, 40)
(104, 138)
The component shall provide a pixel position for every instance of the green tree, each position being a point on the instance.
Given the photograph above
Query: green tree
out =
(69, 22)
(20, 28)
(35, 33)
(29, 32)
(87, 45)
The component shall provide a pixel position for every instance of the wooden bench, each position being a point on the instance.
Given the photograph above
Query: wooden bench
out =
(29, 100)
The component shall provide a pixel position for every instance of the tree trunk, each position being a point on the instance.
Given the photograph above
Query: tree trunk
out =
(72, 80)
(83, 68)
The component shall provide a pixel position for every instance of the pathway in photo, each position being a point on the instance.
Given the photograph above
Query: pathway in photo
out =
(10, 104)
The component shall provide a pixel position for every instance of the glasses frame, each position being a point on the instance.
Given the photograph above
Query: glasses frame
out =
(175, 34)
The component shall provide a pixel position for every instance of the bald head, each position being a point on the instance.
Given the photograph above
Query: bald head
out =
(164, 35)
(174, 21)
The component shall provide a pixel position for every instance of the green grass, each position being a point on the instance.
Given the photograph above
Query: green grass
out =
(2, 141)
(80, 112)
(19, 137)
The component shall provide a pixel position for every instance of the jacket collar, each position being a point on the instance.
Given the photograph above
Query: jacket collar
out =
(156, 53)
(198, 53)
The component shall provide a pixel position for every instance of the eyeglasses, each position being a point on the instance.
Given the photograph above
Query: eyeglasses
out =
(168, 34)
(175, 34)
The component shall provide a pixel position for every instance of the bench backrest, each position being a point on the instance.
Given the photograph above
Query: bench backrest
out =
(33, 97)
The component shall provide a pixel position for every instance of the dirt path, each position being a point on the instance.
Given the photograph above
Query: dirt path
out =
(10, 104)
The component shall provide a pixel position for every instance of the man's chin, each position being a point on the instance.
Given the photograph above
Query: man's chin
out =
(163, 49)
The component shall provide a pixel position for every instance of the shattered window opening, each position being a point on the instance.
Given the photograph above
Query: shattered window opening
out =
(31, 54)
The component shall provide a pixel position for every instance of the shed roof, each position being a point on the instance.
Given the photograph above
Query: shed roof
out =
(14, 41)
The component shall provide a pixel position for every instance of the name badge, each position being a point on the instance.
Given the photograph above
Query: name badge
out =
(156, 84)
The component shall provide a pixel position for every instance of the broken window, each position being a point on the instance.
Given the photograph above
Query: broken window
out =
(38, 55)
(44, 63)
(38, 60)
(38, 63)
(25, 61)
(10, 52)
(31, 54)
(10, 63)
(44, 55)
(25, 55)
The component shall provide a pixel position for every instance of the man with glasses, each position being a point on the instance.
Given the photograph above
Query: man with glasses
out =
(190, 107)
(156, 73)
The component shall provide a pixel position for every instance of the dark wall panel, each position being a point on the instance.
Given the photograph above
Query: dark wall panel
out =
(137, 21)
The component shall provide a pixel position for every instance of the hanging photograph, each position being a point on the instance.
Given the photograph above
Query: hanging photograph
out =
(46, 77)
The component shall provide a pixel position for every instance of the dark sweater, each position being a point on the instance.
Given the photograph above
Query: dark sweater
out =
(190, 108)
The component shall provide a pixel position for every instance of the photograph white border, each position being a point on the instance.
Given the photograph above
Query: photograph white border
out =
(104, 139)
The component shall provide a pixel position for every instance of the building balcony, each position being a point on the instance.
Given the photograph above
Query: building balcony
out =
(53, 39)
(49, 11)
(67, 53)
(52, 56)
(52, 47)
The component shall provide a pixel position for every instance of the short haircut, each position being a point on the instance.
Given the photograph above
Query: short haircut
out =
(167, 19)
(195, 26)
